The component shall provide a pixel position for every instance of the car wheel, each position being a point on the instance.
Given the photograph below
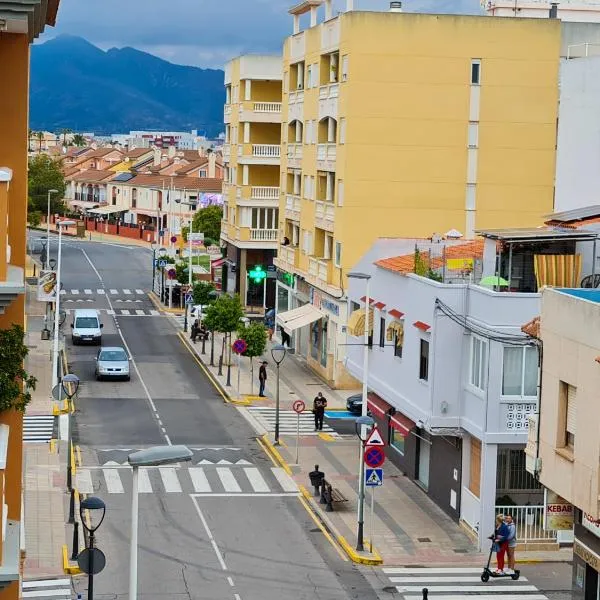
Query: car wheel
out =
(128, 378)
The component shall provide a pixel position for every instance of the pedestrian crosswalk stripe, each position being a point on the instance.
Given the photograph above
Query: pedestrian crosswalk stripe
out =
(144, 485)
(75, 292)
(139, 311)
(139, 291)
(285, 481)
(47, 588)
(113, 292)
(124, 311)
(38, 428)
(154, 313)
(288, 421)
(113, 481)
(199, 480)
(128, 292)
(464, 588)
(424, 571)
(101, 291)
(256, 479)
(229, 482)
(170, 480)
(84, 482)
(87, 291)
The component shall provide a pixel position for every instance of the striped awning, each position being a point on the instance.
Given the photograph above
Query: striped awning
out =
(356, 322)
(395, 330)
(557, 270)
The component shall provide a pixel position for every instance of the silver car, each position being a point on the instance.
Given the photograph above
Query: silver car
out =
(112, 362)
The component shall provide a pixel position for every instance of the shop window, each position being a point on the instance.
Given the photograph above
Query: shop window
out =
(324, 342)
(397, 441)
(424, 361)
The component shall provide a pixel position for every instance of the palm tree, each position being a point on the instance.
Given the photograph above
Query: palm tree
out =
(78, 140)
(29, 140)
(40, 137)
(64, 132)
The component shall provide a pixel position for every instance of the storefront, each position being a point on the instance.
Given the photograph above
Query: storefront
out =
(292, 292)
(586, 558)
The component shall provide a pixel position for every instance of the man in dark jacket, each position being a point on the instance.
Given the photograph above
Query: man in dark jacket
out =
(262, 378)
(319, 406)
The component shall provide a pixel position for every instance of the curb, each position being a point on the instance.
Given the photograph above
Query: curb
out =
(69, 568)
(155, 300)
(278, 458)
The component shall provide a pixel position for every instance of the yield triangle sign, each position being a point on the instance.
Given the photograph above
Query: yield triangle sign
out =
(375, 438)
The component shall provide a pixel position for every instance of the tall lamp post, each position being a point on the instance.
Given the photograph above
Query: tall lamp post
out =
(162, 252)
(192, 205)
(96, 509)
(70, 385)
(153, 248)
(363, 429)
(278, 354)
(151, 457)
(61, 224)
(50, 192)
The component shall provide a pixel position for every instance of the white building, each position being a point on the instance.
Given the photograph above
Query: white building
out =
(580, 11)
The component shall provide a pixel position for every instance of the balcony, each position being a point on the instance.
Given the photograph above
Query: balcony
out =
(328, 100)
(330, 35)
(264, 192)
(294, 155)
(260, 112)
(326, 156)
(266, 151)
(264, 235)
(259, 154)
(297, 46)
(324, 215)
(296, 105)
(226, 152)
(319, 272)
(227, 113)
(292, 207)
(288, 257)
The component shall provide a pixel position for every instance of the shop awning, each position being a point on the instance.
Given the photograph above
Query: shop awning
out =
(106, 210)
(395, 329)
(356, 322)
(299, 317)
(401, 424)
(378, 406)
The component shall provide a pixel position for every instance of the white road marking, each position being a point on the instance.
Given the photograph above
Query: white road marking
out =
(84, 482)
(256, 479)
(170, 480)
(110, 312)
(199, 479)
(63, 292)
(128, 292)
(481, 597)
(228, 480)
(113, 292)
(87, 291)
(91, 264)
(154, 313)
(100, 291)
(139, 311)
(285, 481)
(125, 311)
(47, 583)
(429, 570)
(210, 536)
(64, 593)
(433, 590)
(144, 485)
(439, 579)
(113, 481)
(139, 291)
(230, 581)
(74, 292)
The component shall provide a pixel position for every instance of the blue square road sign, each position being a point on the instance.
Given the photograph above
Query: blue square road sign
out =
(373, 477)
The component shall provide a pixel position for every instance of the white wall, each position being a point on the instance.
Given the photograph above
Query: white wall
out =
(578, 152)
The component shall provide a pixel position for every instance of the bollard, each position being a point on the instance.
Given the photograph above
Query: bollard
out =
(75, 552)
(329, 498)
(203, 344)
(220, 366)
(323, 499)
(425, 592)
(72, 507)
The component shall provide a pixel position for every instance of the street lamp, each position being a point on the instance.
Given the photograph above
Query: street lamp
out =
(361, 468)
(50, 192)
(153, 248)
(60, 224)
(162, 252)
(191, 205)
(213, 296)
(96, 509)
(278, 354)
(70, 385)
(151, 457)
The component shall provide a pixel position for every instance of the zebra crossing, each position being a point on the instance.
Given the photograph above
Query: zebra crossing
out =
(103, 292)
(288, 421)
(454, 583)
(124, 312)
(207, 481)
(44, 589)
(38, 428)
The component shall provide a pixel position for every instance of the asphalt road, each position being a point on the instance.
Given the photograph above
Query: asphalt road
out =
(228, 525)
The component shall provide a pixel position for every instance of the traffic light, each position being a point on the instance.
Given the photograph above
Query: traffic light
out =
(258, 274)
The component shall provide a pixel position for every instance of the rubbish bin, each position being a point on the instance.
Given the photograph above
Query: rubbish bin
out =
(316, 479)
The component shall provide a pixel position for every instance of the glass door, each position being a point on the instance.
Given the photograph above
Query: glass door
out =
(424, 454)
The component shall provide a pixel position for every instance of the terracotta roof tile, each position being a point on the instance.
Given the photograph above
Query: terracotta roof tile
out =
(137, 152)
(67, 172)
(92, 175)
(202, 184)
(191, 166)
(532, 328)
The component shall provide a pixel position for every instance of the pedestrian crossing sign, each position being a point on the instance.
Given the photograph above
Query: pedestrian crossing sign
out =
(373, 477)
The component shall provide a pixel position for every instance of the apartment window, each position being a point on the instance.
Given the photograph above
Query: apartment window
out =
(337, 257)
(340, 193)
(424, 361)
(307, 243)
(327, 247)
(476, 72)
(520, 371)
(511, 473)
(568, 399)
(202, 173)
(343, 130)
(247, 89)
(479, 351)
(382, 332)
(398, 342)
(265, 218)
(313, 187)
(345, 67)
(473, 135)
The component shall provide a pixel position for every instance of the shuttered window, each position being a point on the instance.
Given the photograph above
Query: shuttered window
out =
(475, 467)
(571, 413)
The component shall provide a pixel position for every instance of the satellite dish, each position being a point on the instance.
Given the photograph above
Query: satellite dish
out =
(454, 234)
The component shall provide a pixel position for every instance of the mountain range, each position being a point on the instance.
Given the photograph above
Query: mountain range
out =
(78, 86)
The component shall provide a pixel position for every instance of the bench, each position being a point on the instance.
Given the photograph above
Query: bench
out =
(329, 495)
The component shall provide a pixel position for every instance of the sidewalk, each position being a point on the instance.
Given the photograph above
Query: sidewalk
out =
(44, 478)
(408, 527)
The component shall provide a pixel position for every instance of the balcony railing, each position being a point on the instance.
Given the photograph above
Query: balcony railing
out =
(294, 151)
(266, 150)
(530, 523)
(288, 254)
(267, 107)
(326, 152)
(263, 235)
(292, 207)
(263, 192)
(324, 214)
(319, 269)
(296, 97)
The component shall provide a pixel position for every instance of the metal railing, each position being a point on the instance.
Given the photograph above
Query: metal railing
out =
(530, 523)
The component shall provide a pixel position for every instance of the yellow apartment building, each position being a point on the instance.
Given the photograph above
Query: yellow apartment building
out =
(251, 183)
(20, 22)
(403, 125)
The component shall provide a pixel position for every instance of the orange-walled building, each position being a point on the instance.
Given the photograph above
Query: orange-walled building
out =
(21, 21)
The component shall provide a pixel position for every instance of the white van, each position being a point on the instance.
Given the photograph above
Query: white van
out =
(86, 327)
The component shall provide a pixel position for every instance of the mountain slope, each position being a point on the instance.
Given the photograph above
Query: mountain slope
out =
(76, 85)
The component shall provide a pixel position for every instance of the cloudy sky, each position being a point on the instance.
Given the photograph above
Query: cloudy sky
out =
(203, 33)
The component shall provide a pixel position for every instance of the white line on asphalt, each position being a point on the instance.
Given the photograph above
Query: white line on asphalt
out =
(230, 581)
(145, 487)
(256, 479)
(84, 482)
(74, 292)
(113, 292)
(482, 596)
(113, 481)
(128, 292)
(249, 495)
(47, 583)
(124, 311)
(285, 481)
(236, 597)
(411, 589)
(428, 570)
(64, 593)
(228, 480)
(170, 480)
(91, 264)
(439, 579)
(87, 291)
(100, 291)
(210, 536)
(139, 291)
(139, 311)
(154, 313)
(199, 479)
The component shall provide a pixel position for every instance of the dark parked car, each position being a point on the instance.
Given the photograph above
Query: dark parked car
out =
(354, 404)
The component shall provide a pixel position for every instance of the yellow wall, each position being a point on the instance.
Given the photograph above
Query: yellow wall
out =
(265, 133)
(266, 91)
(406, 105)
(267, 175)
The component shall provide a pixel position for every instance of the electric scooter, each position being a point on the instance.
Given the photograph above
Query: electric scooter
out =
(487, 572)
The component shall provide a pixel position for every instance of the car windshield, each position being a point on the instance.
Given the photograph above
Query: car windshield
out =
(113, 355)
(86, 322)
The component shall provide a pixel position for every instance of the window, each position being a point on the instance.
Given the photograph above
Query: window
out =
(337, 257)
(382, 332)
(520, 371)
(313, 187)
(424, 361)
(568, 399)
(202, 173)
(343, 130)
(397, 441)
(475, 72)
(307, 243)
(309, 77)
(398, 342)
(511, 473)
(340, 193)
(479, 351)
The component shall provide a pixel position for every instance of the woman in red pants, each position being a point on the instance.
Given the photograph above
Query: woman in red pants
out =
(501, 540)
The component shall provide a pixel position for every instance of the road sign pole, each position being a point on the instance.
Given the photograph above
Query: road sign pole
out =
(297, 436)
(372, 511)
(238, 375)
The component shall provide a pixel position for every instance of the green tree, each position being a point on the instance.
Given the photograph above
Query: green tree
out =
(224, 316)
(65, 132)
(255, 336)
(78, 140)
(45, 174)
(40, 138)
(35, 218)
(15, 382)
(202, 292)
(208, 221)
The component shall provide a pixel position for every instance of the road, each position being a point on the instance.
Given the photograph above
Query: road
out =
(229, 525)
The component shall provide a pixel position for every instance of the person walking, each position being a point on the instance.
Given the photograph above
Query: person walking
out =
(319, 406)
(262, 378)
(500, 538)
(511, 541)
(194, 331)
